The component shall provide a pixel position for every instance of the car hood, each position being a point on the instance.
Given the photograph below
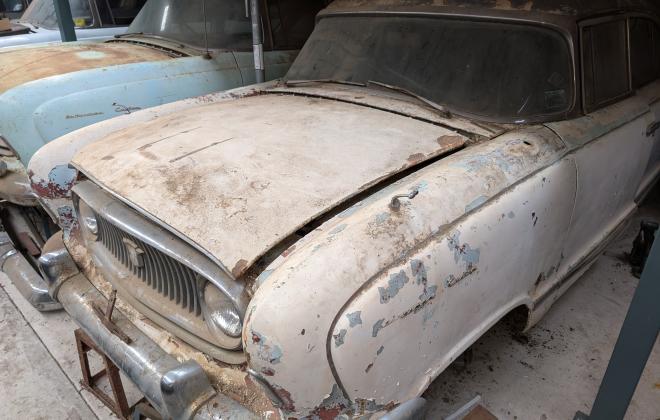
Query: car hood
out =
(22, 65)
(237, 177)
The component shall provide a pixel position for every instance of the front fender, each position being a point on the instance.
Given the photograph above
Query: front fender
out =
(326, 309)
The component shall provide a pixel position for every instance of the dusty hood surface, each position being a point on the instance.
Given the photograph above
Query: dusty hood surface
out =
(237, 177)
(19, 66)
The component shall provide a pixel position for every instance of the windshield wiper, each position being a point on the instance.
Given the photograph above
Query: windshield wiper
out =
(312, 81)
(441, 109)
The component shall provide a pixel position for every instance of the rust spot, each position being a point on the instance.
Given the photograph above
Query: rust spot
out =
(450, 141)
(255, 338)
(289, 251)
(285, 396)
(416, 158)
(108, 157)
(239, 268)
(268, 371)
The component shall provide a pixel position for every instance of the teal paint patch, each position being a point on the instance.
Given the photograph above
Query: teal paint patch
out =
(337, 229)
(462, 252)
(270, 353)
(511, 215)
(419, 272)
(354, 318)
(476, 203)
(395, 284)
(339, 338)
(429, 293)
(379, 325)
(382, 217)
(264, 276)
(422, 186)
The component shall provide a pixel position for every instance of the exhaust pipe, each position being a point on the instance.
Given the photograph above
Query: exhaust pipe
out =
(26, 279)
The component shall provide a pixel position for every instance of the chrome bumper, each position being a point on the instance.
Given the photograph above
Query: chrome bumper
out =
(24, 276)
(176, 390)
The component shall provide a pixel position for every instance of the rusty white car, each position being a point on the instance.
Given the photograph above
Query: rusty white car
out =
(326, 245)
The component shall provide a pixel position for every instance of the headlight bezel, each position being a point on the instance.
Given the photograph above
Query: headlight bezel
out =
(225, 338)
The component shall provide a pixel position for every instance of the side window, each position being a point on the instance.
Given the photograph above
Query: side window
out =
(605, 63)
(644, 51)
(119, 12)
(292, 21)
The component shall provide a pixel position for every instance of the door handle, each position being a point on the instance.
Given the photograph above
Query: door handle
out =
(652, 128)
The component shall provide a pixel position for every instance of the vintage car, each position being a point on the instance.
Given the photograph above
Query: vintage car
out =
(92, 19)
(12, 9)
(163, 59)
(325, 246)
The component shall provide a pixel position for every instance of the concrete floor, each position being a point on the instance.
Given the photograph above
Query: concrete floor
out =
(548, 374)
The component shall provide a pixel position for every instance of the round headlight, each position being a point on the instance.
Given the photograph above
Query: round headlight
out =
(220, 313)
(87, 220)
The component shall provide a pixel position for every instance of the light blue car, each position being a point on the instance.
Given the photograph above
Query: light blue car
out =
(48, 91)
(92, 19)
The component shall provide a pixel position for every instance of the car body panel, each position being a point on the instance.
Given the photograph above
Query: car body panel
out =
(200, 171)
(346, 270)
(24, 65)
(45, 35)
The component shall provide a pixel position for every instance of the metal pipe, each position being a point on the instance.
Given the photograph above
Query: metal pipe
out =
(65, 20)
(257, 41)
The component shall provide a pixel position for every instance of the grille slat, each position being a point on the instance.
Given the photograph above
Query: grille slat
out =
(162, 273)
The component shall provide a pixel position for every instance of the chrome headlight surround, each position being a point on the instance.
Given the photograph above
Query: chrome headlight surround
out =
(87, 220)
(221, 316)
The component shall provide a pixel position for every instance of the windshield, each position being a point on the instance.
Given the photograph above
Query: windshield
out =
(41, 13)
(11, 6)
(494, 70)
(183, 21)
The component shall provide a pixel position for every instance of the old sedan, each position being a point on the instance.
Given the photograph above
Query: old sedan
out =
(327, 245)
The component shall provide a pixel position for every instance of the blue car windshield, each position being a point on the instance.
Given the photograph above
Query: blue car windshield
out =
(41, 13)
(226, 22)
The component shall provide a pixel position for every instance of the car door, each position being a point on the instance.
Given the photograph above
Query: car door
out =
(609, 143)
(645, 67)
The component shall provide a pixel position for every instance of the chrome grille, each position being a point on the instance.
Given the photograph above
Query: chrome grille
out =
(162, 273)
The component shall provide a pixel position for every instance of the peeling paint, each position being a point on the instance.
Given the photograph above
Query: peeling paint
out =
(379, 325)
(354, 319)
(395, 284)
(476, 203)
(463, 251)
(337, 229)
(270, 353)
(419, 271)
(59, 183)
(339, 338)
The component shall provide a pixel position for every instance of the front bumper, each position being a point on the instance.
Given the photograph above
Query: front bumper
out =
(177, 390)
